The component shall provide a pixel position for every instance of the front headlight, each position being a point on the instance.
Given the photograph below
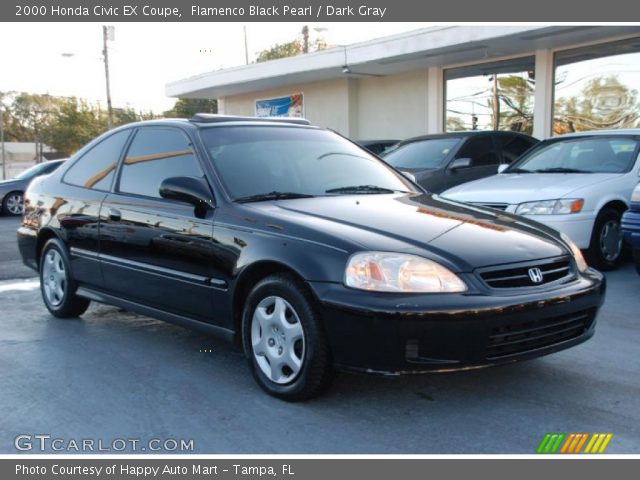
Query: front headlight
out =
(551, 207)
(635, 195)
(576, 252)
(398, 272)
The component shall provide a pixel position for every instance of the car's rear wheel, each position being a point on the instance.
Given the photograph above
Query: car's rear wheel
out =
(13, 204)
(284, 340)
(606, 247)
(57, 284)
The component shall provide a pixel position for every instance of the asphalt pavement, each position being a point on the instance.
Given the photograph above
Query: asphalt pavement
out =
(115, 375)
(11, 266)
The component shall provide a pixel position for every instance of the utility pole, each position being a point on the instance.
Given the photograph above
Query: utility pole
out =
(246, 48)
(305, 36)
(496, 103)
(107, 34)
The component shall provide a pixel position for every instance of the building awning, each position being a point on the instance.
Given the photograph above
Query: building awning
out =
(405, 52)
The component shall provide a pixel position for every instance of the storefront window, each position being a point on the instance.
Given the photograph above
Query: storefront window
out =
(596, 88)
(491, 96)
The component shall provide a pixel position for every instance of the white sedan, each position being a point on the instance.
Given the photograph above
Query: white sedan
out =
(579, 184)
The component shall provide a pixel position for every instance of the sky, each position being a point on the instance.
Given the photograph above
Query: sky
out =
(144, 57)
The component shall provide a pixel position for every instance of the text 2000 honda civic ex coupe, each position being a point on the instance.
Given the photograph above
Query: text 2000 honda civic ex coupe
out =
(314, 254)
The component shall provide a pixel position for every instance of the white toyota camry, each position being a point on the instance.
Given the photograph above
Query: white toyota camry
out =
(579, 184)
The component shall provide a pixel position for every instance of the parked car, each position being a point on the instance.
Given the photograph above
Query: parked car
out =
(631, 226)
(314, 254)
(579, 184)
(12, 191)
(442, 161)
(377, 147)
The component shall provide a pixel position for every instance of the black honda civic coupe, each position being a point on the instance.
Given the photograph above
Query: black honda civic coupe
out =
(311, 253)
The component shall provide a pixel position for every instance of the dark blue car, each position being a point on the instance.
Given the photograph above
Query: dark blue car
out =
(631, 226)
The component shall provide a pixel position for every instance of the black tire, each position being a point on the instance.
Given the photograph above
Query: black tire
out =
(55, 271)
(9, 201)
(316, 371)
(602, 255)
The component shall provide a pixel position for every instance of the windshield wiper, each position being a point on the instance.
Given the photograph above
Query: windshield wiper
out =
(261, 197)
(560, 170)
(517, 170)
(360, 189)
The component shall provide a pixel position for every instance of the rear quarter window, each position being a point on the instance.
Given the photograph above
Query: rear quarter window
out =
(96, 168)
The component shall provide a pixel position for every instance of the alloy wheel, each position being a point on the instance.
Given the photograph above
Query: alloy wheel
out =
(611, 240)
(14, 204)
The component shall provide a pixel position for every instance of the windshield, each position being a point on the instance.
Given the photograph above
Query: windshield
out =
(288, 162)
(579, 155)
(421, 154)
(32, 172)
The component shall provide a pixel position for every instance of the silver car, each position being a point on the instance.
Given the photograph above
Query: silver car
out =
(11, 191)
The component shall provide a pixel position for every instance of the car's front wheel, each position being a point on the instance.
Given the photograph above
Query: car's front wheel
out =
(13, 204)
(284, 339)
(606, 247)
(57, 284)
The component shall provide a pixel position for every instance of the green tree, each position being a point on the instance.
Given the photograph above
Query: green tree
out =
(187, 107)
(74, 124)
(603, 103)
(290, 49)
(455, 124)
(123, 116)
(281, 50)
(30, 115)
(516, 93)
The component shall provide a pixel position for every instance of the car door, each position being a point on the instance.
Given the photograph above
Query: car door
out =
(156, 251)
(484, 160)
(86, 183)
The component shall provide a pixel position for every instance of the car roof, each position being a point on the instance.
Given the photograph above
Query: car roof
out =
(205, 120)
(463, 134)
(619, 131)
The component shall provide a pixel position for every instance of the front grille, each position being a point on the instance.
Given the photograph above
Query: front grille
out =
(495, 206)
(520, 276)
(520, 338)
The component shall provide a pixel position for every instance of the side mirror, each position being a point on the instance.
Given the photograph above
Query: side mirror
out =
(459, 163)
(410, 176)
(191, 190)
(502, 167)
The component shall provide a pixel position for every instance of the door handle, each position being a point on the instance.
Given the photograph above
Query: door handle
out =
(115, 215)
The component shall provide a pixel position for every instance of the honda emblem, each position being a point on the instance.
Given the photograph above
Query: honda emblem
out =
(535, 274)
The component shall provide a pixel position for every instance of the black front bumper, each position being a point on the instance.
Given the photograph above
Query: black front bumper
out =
(394, 334)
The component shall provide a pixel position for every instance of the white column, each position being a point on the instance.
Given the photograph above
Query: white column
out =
(435, 100)
(221, 106)
(352, 109)
(543, 97)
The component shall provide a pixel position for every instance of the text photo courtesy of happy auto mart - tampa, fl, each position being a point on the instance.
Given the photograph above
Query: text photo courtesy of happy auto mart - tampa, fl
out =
(325, 239)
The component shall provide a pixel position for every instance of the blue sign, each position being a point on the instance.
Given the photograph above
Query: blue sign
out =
(289, 106)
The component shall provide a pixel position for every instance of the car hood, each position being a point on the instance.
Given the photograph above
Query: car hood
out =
(465, 237)
(10, 183)
(514, 188)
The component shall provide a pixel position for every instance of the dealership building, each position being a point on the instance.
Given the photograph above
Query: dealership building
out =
(537, 79)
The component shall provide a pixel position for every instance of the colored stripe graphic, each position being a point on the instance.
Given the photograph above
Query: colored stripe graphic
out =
(573, 443)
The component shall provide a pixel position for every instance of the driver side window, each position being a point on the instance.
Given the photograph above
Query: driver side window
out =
(480, 150)
(156, 154)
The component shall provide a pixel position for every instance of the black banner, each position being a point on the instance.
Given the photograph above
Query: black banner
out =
(318, 10)
(314, 469)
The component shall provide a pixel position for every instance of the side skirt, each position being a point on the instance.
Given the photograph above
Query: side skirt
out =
(180, 320)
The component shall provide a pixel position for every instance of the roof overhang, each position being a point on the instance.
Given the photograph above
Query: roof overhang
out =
(405, 52)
